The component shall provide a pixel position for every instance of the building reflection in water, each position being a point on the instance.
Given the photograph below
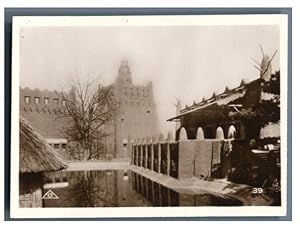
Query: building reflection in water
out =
(92, 189)
(30, 190)
(115, 188)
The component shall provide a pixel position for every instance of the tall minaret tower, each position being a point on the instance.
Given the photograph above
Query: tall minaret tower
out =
(124, 73)
(123, 82)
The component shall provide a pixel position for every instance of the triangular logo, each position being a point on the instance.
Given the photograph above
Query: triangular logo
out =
(50, 195)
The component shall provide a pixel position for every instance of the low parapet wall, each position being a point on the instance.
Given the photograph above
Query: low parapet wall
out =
(184, 158)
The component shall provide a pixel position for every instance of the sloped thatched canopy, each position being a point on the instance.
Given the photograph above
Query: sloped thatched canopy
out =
(35, 153)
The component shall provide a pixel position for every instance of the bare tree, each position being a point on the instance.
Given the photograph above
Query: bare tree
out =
(90, 108)
(264, 66)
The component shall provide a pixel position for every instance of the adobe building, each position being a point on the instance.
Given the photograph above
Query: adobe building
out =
(213, 139)
(43, 110)
(213, 118)
(136, 117)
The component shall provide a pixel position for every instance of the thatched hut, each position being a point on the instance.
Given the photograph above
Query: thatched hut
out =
(35, 153)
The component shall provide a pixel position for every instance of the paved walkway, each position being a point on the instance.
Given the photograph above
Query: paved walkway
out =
(214, 186)
(98, 165)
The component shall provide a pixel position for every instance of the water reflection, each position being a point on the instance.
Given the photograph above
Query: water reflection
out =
(93, 189)
(112, 188)
(30, 190)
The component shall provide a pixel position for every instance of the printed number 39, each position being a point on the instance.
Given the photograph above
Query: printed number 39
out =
(257, 190)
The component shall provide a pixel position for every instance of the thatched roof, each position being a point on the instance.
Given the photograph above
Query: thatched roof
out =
(35, 153)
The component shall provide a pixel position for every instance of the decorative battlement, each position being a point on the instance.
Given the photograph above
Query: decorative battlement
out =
(242, 88)
(37, 97)
(215, 97)
(126, 89)
(43, 102)
(45, 111)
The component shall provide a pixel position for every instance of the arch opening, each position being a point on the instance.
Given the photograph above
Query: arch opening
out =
(183, 134)
(219, 133)
(232, 132)
(200, 134)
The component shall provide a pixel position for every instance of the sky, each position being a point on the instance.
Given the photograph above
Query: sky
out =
(184, 62)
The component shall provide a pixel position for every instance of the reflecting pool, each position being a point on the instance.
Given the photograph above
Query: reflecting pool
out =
(110, 188)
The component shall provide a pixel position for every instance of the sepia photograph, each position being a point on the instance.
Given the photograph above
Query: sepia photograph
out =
(149, 116)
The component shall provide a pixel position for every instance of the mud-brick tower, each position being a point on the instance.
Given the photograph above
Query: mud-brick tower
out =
(137, 115)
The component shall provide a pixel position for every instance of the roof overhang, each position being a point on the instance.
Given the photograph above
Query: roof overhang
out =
(219, 102)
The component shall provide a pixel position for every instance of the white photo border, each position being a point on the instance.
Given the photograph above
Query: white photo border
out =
(108, 212)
